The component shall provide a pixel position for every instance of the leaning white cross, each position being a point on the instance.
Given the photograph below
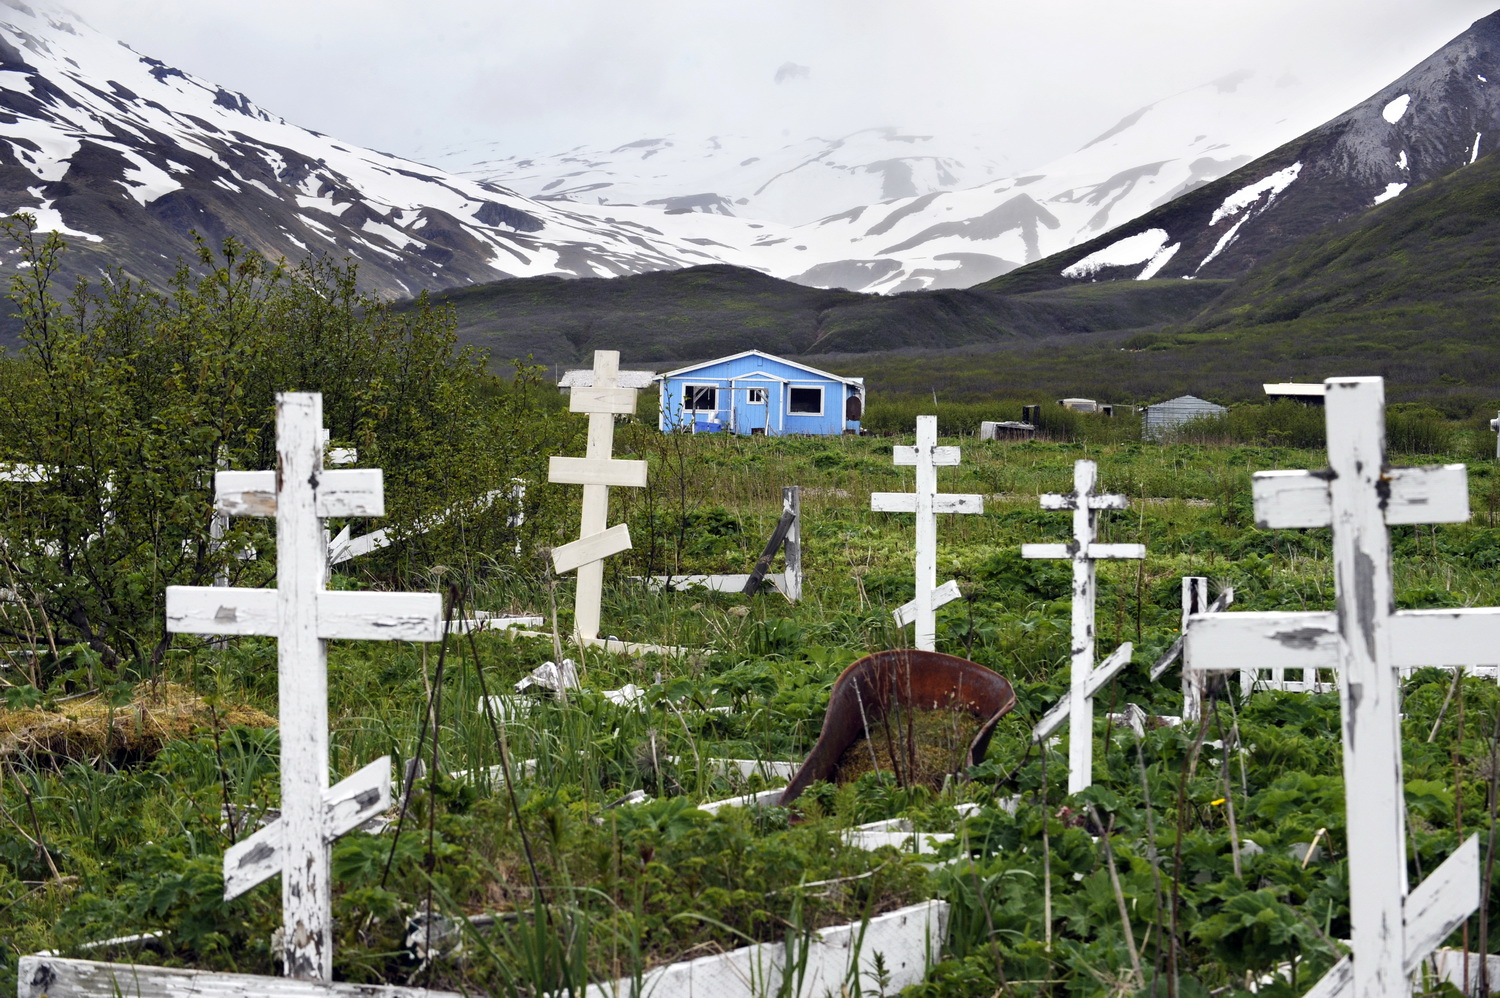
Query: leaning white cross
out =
(1083, 551)
(926, 502)
(1366, 641)
(303, 616)
(596, 472)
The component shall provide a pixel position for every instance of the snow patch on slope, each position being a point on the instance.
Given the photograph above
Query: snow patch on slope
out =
(1391, 191)
(1247, 196)
(1143, 247)
(1396, 108)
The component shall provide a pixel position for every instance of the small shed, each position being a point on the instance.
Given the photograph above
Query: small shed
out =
(1164, 416)
(755, 393)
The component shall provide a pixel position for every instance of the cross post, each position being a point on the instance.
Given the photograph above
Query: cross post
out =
(1366, 641)
(926, 502)
(1083, 551)
(596, 472)
(302, 615)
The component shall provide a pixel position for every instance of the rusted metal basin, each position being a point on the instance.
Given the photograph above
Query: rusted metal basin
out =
(873, 686)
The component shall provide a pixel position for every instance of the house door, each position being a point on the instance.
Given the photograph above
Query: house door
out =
(750, 408)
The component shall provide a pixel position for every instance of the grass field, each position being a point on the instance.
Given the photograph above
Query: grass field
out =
(115, 801)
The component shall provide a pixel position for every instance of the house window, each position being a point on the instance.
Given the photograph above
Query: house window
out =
(805, 401)
(700, 398)
(756, 396)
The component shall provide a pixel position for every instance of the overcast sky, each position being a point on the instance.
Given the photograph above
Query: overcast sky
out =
(1040, 76)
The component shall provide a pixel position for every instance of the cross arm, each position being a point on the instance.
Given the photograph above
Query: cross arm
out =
(619, 401)
(1433, 910)
(942, 457)
(340, 491)
(341, 615)
(1098, 676)
(906, 502)
(594, 547)
(1175, 650)
(346, 805)
(1231, 642)
(1052, 500)
(1431, 494)
(945, 593)
(596, 471)
(1095, 552)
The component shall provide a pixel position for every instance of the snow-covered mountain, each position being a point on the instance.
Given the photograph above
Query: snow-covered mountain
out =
(769, 178)
(127, 156)
(1439, 117)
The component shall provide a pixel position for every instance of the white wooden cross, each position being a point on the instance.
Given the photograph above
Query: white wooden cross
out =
(1083, 551)
(596, 472)
(926, 502)
(1194, 601)
(302, 615)
(1366, 641)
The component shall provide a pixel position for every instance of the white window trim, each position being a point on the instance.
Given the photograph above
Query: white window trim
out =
(750, 398)
(822, 391)
(687, 391)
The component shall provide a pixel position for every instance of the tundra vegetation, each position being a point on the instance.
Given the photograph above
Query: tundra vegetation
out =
(130, 759)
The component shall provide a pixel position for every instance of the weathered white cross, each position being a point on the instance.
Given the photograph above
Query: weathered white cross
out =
(926, 502)
(1194, 601)
(596, 472)
(1367, 641)
(1083, 551)
(303, 616)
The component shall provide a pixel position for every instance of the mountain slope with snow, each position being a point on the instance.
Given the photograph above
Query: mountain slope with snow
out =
(1439, 117)
(127, 157)
(770, 178)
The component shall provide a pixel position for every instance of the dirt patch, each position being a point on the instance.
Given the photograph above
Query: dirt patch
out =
(89, 728)
(917, 745)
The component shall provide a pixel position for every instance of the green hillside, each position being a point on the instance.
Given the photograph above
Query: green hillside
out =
(709, 311)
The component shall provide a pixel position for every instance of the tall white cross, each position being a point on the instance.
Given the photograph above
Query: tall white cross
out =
(926, 502)
(596, 472)
(1367, 641)
(1083, 551)
(303, 616)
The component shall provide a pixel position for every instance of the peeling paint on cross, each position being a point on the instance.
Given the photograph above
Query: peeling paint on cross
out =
(1083, 551)
(596, 471)
(926, 502)
(1366, 641)
(302, 615)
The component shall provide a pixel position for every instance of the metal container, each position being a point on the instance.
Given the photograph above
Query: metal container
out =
(888, 680)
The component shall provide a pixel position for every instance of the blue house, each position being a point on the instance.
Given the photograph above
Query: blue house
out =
(755, 393)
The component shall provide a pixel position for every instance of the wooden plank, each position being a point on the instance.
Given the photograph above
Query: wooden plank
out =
(593, 548)
(369, 616)
(1059, 551)
(942, 502)
(763, 563)
(942, 457)
(1442, 902)
(347, 615)
(1231, 642)
(1446, 637)
(347, 805)
(1054, 501)
(791, 579)
(221, 610)
(302, 687)
(1115, 552)
(55, 977)
(1172, 653)
(596, 471)
(340, 492)
(1107, 670)
(615, 401)
(906, 613)
(1300, 499)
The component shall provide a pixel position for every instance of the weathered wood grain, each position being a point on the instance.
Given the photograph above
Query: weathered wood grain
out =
(55, 977)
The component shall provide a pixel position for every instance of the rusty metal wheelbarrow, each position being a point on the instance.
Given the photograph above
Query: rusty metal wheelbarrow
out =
(879, 683)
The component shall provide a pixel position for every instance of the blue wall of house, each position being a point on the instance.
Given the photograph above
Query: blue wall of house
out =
(756, 391)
